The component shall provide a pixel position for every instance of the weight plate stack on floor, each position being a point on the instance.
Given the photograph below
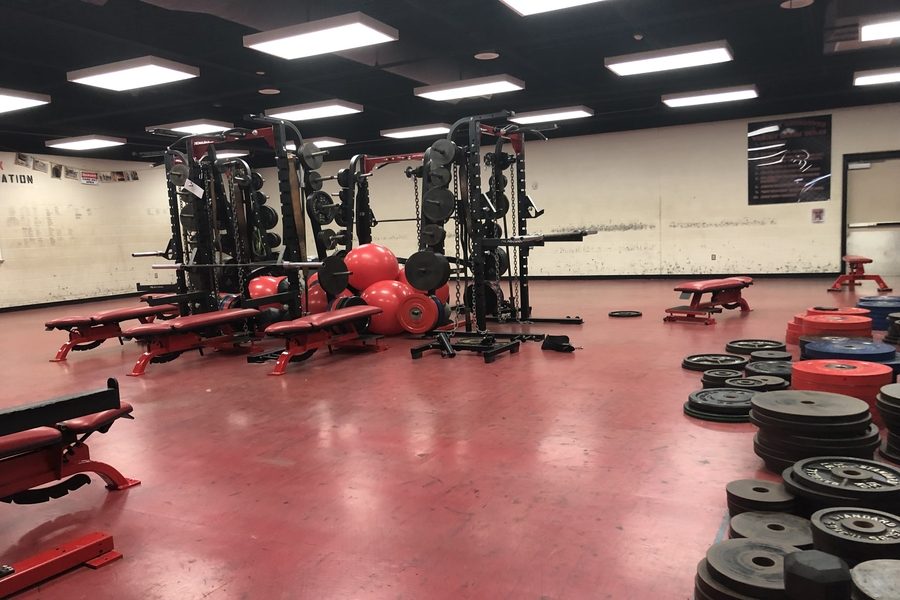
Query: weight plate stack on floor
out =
(888, 404)
(833, 310)
(758, 495)
(880, 307)
(759, 355)
(746, 383)
(715, 378)
(774, 527)
(775, 368)
(772, 383)
(876, 580)
(625, 314)
(806, 339)
(866, 350)
(859, 379)
(828, 481)
(749, 346)
(723, 405)
(856, 534)
(704, 362)
(744, 568)
(893, 332)
(837, 325)
(794, 425)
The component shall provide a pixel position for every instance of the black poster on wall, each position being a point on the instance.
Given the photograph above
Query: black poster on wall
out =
(789, 160)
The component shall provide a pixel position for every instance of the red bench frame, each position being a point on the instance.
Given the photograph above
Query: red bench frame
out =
(336, 329)
(857, 273)
(725, 293)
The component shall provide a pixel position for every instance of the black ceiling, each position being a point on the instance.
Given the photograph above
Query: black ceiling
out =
(787, 53)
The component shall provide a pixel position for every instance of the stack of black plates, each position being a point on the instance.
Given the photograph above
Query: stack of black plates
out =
(856, 534)
(742, 569)
(797, 424)
(775, 368)
(758, 495)
(770, 355)
(776, 527)
(724, 405)
(893, 333)
(876, 580)
(750, 346)
(829, 481)
(888, 404)
(716, 378)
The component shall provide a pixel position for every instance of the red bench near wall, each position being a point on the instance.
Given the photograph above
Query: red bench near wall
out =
(856, 272)
(724, 293)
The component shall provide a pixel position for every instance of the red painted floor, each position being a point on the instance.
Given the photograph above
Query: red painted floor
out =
(543, 475)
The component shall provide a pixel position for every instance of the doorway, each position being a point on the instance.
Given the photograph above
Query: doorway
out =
(872, 209)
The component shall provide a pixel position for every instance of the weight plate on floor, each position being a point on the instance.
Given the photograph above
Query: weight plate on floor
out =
(427, 270)
(758, 495)
(778, 368)
(822, 429)
(625, 314)
(721, 401)
(442, 152)
(418, 314)
(806, 406)
(852, 445)
(891, 392)
(807, 494)
(759, 355)
(433, 235)
(438, 204)
(746, 383)
(772, 383)
(703, 362)
(866, 350)
(707, 588)
(718, 376)
(749, 567)
(440, 176)
(856, 534)
(714, 417)
(876, 580)
(774, 460)
(268, 218)
(850, 476)
(776, 527)
(748, 346)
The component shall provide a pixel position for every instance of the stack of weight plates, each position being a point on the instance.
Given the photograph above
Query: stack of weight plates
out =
(880, 307)
(749, 346)
(805, 340)
(776, 527)
(759, 355)
(754, 495)
(723, 405)
(833, 310)
(757, 384)
(716, 378)
(893, 333)
(855, 378)
(888, 403)
(829, 481)
(794, 330)
(775, 368)
(876, 580)
(842, 325)
(742, 569)
(858, 349)
(856, 534)
(705, 362)
(794, 425)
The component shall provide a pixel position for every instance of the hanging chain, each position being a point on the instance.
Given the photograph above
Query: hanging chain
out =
(514, 259)
(418, 214)
(459, 267)
(239, 254)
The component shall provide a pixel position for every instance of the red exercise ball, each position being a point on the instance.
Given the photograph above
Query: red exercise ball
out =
(443, 292)
(265, 285)
(388, 296)
(370, 263)
(318, 299)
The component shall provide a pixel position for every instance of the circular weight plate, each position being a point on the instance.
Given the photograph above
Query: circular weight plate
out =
(850, 476)
(869, 438)
(749, 567)
(805, 406)
(758, 494)
(272, 239)
(746, 383)
(503, 182)
(748, 346)
(759, 355)
(328, 238)
(267, 216)
(891, 392)
(442, 152)
(418, 314)
(778, 368)
(865, 350)
(775, 460)
(314, 180)
(772, 382)
(811, 500)
(322, 208)
(438, 204)
(496, 258)
(501, 205)
(493, 230)
(440, 176)
(311, 156)
(715, 417)
(702, 362)
(856, 534)
(256, 180)
(719, 375)
(433, 235)
(820, 429)
(707, 588)
(259, 198)
(776, 527)
(427, 270)
(856, 372)
(721, 401)
(334, 276)
(876, 580)
(493, 297)
(625, 314)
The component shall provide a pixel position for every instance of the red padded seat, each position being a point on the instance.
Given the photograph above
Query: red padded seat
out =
(322, 320)
(31, 439)
(301, 325)
(97, 420)
(857, 259)
(68, 322)
(711, 285)
(191, 322)
(146, 329)
(132, 312)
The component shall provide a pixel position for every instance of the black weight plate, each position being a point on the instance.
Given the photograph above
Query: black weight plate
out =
(825, 430)
(770, 355)
(328, 238)
(322, 208)
(745, 383)
(749, 567)
(719, 375)
(494, 259)
(314, 180)
(256, 180)
(772, 383)
(778, 368)
(312, 157)
(808, 406)
(438, 204)
(268, 218)
(861, 446)
(345, 178)
(259, 198)
(721, 401)
(707, 588)
(443, 152)
(748, 346)
(703, 362)
(625, 314)
(440, 176)
(758, 495)
(876, 580)
(501, 205)
(493, 297)
(891, 392)
(503, 182)
(714, 417)
(493, 230)
(856, 534)
(808, 494)
(777, 527)
(433, 235)
(334, 276)
(427, 270)
(272, 239)
(850, 476)
(774, 460)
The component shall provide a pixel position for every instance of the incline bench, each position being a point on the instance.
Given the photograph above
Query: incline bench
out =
(89, 332)
(856, 272)
(725, 293)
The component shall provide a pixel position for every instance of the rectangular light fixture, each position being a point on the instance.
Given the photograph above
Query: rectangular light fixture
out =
(533, 7)
(418, 131)
(554, 114)
(315, 110)
(744, 92)
(469, 88)
(15, 100)
(133, 74)
(231, 153)
(879, 28)
(668, 59)
(85, 142)
(327, 142)
(764, 130)
(353, 30)
(877, 76)
(195, 127)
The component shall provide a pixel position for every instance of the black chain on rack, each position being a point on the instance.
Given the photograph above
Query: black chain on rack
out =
(514, 259)
(459, 267)
(418, 214)
(239, 254)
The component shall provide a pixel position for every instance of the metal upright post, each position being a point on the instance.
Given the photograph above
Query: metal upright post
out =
(522, 230)
(476, 231)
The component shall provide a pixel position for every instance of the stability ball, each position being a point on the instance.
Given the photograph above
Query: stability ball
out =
(387, 295)
(370, 263)
(266, 285)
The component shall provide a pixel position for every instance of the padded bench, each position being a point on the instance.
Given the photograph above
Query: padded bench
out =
(165, 340)
(724, 293)
(87, 332)
(340, 328)
(856, 272)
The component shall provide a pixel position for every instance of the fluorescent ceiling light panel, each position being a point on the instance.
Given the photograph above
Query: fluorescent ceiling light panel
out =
(344, 32)
(555, 114)
(764, 130)
(315, 110)
(417, 131)
(877, 76)
(469, 88)
(85, 142)
(745, 92)
(195, 127)
(15, 100)
(682, 57)
(327, 142)
(533, 7)
(882, 28)
(133, 74)
(231, 153)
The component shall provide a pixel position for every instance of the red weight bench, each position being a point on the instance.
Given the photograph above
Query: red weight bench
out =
(86, 333)
(856, 272)
(43, 443)
(725, 293)
(335, 329)
(166, 340)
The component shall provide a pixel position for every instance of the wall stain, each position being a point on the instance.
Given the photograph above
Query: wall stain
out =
(745, 222)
